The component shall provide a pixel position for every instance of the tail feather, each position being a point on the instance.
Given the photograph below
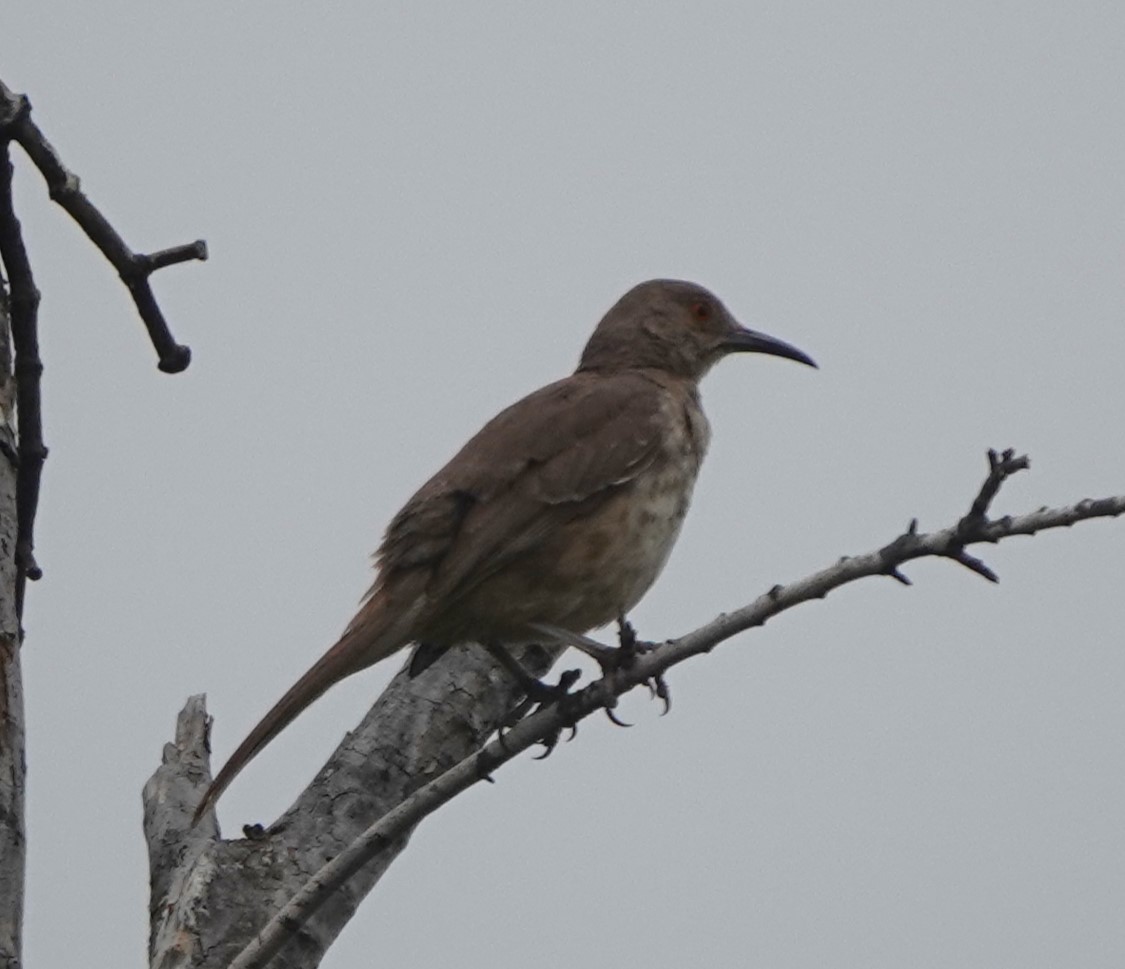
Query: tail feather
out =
(373, 635)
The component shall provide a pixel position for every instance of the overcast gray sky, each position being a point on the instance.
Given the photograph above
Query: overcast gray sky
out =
(416, 214)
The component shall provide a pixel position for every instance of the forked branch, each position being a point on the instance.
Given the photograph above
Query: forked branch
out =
(133, 268)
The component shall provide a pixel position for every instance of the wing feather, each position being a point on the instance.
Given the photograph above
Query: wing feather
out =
(550, 456)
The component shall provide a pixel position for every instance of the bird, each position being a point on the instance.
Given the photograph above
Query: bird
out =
(559, 514)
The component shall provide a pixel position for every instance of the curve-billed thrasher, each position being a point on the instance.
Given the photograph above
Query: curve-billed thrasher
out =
(559, 513)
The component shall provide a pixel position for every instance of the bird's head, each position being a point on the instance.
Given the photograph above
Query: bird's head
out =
(677, 327)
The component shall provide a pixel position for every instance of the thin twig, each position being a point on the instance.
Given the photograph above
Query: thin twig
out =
(133, 268)
(969, 529)
(1000, 468)
(647, 666)
(28, 371)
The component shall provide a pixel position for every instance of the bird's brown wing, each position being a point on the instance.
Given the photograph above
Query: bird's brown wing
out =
(547, 456)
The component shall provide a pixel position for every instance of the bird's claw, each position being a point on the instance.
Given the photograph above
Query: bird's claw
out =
(658, 688)
(614, 718)
(631, 648)
(559, 694)
(544, 694)
(537, 696)
(609, 658)
(551, 741)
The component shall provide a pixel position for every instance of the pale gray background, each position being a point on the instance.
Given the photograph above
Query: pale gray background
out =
(416, 214)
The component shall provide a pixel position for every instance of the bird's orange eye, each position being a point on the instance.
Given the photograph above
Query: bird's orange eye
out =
(701, 311)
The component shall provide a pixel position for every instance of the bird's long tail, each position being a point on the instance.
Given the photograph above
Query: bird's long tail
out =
(376, 632)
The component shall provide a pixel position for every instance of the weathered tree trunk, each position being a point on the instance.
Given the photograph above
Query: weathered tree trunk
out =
(12, 765)
(209, 897)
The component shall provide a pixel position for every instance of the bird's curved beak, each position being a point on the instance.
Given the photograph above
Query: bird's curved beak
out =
(743, 340)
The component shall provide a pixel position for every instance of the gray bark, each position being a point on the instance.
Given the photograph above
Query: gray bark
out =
(12, 764)
(211, 896)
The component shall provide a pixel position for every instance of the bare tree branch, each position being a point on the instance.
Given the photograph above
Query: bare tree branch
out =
(30, 452)
(648, 668)
(133, 268)
(285, 891)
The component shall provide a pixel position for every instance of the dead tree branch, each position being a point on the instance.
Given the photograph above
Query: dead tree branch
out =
(134, 269)
(30, 452)
(650, 666)
(421, 724)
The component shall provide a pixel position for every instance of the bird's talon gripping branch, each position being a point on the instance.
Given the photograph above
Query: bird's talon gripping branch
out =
(658, 688)
(609, 658)
(484, 768)
(613, 717)
(631, 647)
(538, 695)
(545, 694)
(550, 742)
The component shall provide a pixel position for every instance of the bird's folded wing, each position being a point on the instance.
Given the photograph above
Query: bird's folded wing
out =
(554, 454)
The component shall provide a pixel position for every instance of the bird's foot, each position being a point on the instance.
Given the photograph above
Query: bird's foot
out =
(658, 687)
(608, 658)
(535, 691)
(551, 741)
(545, 694)
(630, 649)
(611, 659)
(539, 695)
